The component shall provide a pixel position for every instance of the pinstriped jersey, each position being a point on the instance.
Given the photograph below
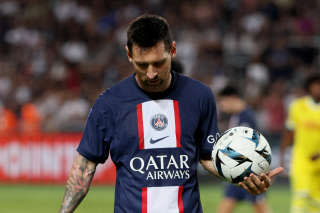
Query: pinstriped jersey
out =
(155, 140)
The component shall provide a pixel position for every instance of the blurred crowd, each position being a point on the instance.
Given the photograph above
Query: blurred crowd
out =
(57, 56)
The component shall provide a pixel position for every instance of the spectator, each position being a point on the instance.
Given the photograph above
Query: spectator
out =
(71, 44)
(8, 120)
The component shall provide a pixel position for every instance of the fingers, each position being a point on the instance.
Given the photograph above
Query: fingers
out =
(275, 172)
(254, 185)
(259, 184)
(241, 184)
(266, 180)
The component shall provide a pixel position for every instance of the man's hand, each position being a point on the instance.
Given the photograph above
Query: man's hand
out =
(78, 183)
(259, 184)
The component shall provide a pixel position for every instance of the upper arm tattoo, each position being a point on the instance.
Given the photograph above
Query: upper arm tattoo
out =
(78, 183)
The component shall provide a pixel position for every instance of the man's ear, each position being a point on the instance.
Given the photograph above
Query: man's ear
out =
(129, 54)
(173, 50)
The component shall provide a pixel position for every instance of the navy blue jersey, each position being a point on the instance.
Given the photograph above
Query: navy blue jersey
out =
(155, 141)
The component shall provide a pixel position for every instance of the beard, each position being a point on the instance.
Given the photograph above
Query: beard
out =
(156, 83)
(154, 86)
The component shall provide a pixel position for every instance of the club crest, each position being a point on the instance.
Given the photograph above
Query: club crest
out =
(159, 122)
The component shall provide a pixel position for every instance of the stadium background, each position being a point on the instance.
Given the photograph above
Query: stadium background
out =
(56, 56)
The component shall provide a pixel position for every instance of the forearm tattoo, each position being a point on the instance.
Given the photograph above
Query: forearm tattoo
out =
(78, 183)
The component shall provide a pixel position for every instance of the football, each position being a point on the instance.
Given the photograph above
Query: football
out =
(240, 151)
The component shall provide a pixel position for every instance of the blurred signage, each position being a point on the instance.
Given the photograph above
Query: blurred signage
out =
(44, 158)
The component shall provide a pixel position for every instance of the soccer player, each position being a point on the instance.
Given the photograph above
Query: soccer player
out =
(157, 126)
(231, 103)
(303, 131)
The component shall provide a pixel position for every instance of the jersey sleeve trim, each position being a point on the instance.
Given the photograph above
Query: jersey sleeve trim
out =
(90, 157)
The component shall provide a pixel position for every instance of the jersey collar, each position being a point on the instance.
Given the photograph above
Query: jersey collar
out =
(158, 95)
(312, 103)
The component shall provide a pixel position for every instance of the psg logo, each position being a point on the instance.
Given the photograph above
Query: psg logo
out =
(159, 122)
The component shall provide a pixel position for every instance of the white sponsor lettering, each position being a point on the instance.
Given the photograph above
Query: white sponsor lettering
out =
(150, 176)
(183, 161)
(161, 157)
(138, 168)
(212, 139)
(173, 162)
(161, 167)
(160, 173)
(151, 162)
(167, 175)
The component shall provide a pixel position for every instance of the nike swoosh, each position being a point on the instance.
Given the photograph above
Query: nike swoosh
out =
(157, 140)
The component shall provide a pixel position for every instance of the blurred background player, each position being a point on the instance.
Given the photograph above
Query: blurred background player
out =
(235, 108)
(303, 132)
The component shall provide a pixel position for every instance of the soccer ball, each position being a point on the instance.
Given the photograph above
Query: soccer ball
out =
(240, 151)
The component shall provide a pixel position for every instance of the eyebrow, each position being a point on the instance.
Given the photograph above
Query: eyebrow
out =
(153, 62)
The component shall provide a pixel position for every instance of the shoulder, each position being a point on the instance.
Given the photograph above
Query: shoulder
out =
(193, 87)
(122, 87)
(298, 103)
(191, 82)
(197, 94)
(115, 93)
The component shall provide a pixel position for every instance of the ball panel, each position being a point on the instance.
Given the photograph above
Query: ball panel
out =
(244, 173)
(239, 152)
(226, 159)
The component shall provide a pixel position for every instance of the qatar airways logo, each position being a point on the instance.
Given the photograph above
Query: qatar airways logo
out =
(162, 167)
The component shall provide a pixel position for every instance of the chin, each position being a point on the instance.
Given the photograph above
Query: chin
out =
(155, 89)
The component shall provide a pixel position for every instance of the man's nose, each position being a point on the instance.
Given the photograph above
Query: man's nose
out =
(151, 72)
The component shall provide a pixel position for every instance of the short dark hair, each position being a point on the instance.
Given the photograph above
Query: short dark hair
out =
(229, 91)
(147, 30)
(312, 78)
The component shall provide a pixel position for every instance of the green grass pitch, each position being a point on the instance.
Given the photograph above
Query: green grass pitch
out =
(46, 198)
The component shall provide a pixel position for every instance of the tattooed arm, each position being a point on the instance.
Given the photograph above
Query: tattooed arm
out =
(78, 183)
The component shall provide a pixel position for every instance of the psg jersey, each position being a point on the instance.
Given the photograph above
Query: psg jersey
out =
(155, 141)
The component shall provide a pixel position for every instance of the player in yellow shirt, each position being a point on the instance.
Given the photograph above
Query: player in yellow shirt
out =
(303, 131)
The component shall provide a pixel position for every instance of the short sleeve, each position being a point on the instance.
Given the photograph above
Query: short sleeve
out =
(208, 128)
(95, 141)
